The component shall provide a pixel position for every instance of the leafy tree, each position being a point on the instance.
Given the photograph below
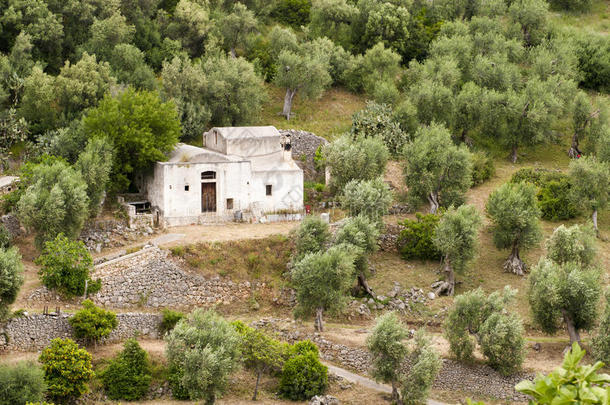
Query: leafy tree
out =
(593, 59)
(190, 24)
(67, 370)
(202, 351)
(362, 233)
(370, 198)
(376, 120)
(354, 159)
(21, 383)
(170, 319)
(141, 128)
(307, 74)
(572, 244)
(259, 352)
(378, 71)
(94, 164)
(382, 21)
(93, 323)
(292, 12)
(590, 185)
(482, 168)
(236, 26)
(321, 281)
(584, 119)
(436, 169)
(515, 216)
(303, 376)
(66, 142)
(5, 237)
(416, 240)
(11, 279)
(601, 341)
(311, 236)
(555, 198)
(107, 33)
(564, 294)
(66, 266)
(603, 147)
(129, 66)
(569, 383)
(55, 201)
(13, 130)
(424, 366)
(129, 374)
(331, 19)
(456, 238)
(476, 318)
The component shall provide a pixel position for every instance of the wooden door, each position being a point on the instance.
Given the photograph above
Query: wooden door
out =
(208, 197)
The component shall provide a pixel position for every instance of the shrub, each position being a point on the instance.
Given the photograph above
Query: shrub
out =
(292, 12)
(67, 370)
(21, 383)
(65, 266)
(376, 120)
(311, 236)
(11, 279)
(128, 375)
(170, 319)
(601, 341)
(554, 199)
(304, 347)
(5, 237)
(93, 323)
(502, 342)
(531, 175)
(416, 240)
(482, 168)
(303, 376)
(370, 198)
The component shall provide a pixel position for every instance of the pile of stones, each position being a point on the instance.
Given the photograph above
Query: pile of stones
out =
(111, 234)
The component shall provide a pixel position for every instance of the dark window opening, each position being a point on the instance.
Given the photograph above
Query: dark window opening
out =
(216, 137)
(208, 175)
(186, 188)
(229, 203)
(268, 189)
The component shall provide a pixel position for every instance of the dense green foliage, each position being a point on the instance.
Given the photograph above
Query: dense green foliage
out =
(202, 351)
(65, 266)
(572, 244)
(11, 279)
(482, 168)
(371, 198)
(21, 383)
(303, 376)
(590, 184)
(416, 240)
(571, 382)
(5, 237)
(170, 319)
(94, 165)
(93, 323)
(376, 120)
(601, 340)
(128, 375)
(67, 370)
(477, 318)
(311, 236)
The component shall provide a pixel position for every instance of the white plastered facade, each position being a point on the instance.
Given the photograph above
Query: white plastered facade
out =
(247, 169)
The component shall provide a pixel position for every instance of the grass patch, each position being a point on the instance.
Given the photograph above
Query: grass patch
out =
(596, 19)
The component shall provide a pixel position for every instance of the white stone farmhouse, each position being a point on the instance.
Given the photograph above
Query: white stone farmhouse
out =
(245, 171)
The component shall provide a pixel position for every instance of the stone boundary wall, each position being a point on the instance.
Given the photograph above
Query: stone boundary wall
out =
(34, 332)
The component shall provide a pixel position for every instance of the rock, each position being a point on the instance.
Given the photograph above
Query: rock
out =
(536, 346)
(431, 295)
(324, 400)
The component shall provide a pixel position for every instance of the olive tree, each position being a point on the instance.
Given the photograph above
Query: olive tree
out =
(564, 294)
(590, 185)
(584, 121)
(436, 170)
(362, 233)
(311, 236)
(94, 165)
(572, 244)
(235, 26)
(371, 198)
(456, 238)
(376, 120)
(513, 210)
(354, 159)
(601, 340)
(202, 351)
(321, 281)
(11, 279)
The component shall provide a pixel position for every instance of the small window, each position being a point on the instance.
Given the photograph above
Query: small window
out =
(229, 203)
(208, 175)
(216, 137)
(268, 189)
(186, 188)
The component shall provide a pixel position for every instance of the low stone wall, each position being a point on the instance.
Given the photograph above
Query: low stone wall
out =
(304, 145)
(34, 332)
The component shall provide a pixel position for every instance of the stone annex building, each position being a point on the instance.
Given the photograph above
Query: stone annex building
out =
(240, 173)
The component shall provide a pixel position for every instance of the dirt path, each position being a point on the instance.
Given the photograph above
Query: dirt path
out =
(367, 382)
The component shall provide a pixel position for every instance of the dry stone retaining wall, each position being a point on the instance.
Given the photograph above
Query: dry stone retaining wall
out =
(34, 332)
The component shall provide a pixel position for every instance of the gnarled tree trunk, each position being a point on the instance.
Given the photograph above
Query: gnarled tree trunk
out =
(290, 93)
(364, 285)
(594, 219)
(318, 325)
(447, 287)
(258, 379)
(233, 53)
(433, 200)
(513, 154)
(396, 394)
(572, 331)
(514, 264)
(574, 152)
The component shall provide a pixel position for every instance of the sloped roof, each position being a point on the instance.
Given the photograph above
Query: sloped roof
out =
(247, 132)
(184, 153)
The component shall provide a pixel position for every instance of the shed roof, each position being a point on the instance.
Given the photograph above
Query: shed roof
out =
(247, 132)
(7, 180)
(184, 153)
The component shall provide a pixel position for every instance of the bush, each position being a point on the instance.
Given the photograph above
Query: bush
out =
(292, 12)
(11, 279)
(416, 240)
(482, 168)
(601, 341)
(370, 198)
(554, 199)
(571, 5)
(303, 376)
(21, 383)
(531, 175)
(5, 237)
(65, 266)
(304, 347)
(67, 370)
(170, 319)
(128, 375)
(376, 120)
(502, 342)
(93, 323)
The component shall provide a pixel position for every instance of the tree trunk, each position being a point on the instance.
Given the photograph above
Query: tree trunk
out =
(233, 53)
(514, 264)
(364, 285)
(318, 325)
(594, 219)
(396, 394)
(447, 287)
(433, 200)
(286, 112)
(258, 379)
(574, 152)
(513, 155)
(572, 331)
